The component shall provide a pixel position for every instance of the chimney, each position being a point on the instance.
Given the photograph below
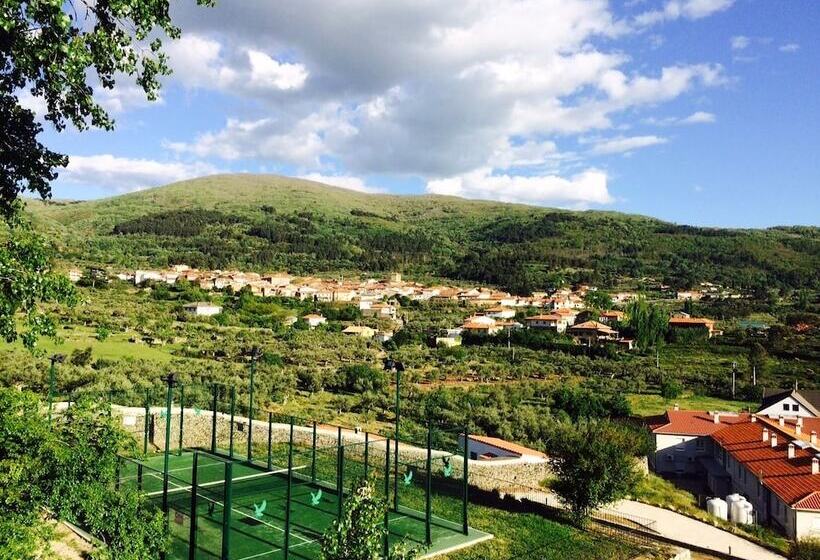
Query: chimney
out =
(677, 406)
(790, 451)
(774, 440)
(754, 419)
(765, 434)
(813, 438)
(717, 418)
(815, 465)
(781, 420)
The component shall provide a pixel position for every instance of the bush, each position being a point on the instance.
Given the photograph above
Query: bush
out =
(806, 549)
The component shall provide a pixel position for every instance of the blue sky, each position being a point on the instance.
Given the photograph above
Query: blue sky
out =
(695, 111)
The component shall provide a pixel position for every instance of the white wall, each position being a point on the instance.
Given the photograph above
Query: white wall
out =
(777, 409)
(683, 450)
(807, 524)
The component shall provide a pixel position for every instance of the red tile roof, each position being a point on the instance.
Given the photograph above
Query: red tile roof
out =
(790, 479)
(691, 321)
(508, 446)
(593, 326)
(693, 422)
(552, 317)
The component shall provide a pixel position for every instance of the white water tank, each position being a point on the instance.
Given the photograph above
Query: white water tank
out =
(732, 498)
(740, 511)
(750, 515)
(718, 508)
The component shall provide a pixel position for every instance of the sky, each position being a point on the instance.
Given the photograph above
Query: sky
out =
(703, 112)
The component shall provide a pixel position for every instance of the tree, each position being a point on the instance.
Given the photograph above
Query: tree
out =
(648, 321)
(27, 280)
(594, 464)
(671, 388)
(598, 299)
(758, 357)
(360, 533)
(50, 47)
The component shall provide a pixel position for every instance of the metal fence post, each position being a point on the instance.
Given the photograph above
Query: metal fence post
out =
(181, 415)
(146, 420)
(270, 441)
(213, 419)
(168, 396)
(428, 506)
(289, 491)
(339, 466)
(465, 482)
(233, 413)
(386, 497)
(366, 454)
(226, 511)
(313, 456)
(194, 484)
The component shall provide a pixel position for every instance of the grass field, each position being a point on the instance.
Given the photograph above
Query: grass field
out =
(115, 347)
(648, 405)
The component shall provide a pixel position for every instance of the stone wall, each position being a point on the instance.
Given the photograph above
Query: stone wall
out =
(503, 475)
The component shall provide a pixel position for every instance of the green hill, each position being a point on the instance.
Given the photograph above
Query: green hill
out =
(267, 222)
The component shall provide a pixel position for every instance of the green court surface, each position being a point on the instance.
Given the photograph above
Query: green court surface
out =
(258, 510)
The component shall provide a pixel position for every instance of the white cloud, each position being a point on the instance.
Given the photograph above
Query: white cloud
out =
(740, 42)
(698, 117)
(688, 9)
(36, 105)
(202, 62)
(301, 142)
(625, 144)
(424, 89)
(120, 174)
(267, 72)
(789, 48)
(344, 181)
(579, 191)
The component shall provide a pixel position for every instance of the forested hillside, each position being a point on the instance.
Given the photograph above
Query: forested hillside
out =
(264, 222)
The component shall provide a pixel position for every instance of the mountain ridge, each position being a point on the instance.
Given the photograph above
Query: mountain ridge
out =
(265, 221)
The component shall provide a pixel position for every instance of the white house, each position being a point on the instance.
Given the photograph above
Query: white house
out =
(551, 321)
(790, 403)
(681, 437)
(501, 312)
(359, 330)
(314, 320)
(202, 309)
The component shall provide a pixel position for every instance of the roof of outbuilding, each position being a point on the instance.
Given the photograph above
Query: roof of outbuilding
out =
(507, 446)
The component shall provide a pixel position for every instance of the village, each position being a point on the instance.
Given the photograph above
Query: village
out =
(565, 311)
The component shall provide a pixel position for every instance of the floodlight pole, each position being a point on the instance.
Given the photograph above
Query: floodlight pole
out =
(52, 372)
(255, 354)
(169, 379)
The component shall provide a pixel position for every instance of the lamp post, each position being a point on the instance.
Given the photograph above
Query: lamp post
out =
(255, 353)
(398, 367)
(171, 382)
(52, 370)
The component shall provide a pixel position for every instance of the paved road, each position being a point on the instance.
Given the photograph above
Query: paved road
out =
(680, 528)
(687, 530)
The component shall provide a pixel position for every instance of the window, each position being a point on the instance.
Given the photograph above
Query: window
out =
(786, 407)
(701, 443)
(795, 407)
